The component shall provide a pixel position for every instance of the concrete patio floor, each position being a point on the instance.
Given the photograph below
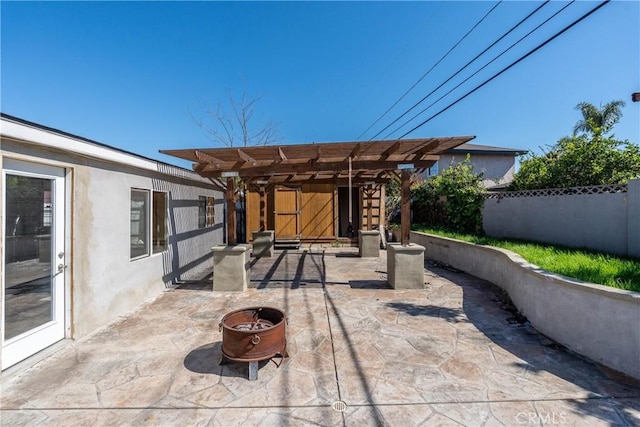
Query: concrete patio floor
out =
(453, 353)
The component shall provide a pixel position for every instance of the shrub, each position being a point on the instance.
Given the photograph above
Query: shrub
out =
(452, 199)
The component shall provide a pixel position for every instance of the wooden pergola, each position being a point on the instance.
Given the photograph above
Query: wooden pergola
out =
(359, 162)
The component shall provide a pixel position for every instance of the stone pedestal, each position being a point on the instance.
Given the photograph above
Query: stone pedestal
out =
(263, 242)
(405, 266)
(231, 267)
(369, 243)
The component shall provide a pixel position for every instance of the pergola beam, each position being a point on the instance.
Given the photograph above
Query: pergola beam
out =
(315, 160)
(283, 158)
(424, 150)
(319, 179)
(389, 151)
(247, 158)
(373, 158)
(218, 185)
(311, 164)
(205, 160)
(355, 150)
(297, 168)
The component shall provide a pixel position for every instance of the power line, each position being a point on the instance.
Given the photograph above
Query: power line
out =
(462, 69)
(430, 69)
(400, 52)
(522, 58)
(480, 69)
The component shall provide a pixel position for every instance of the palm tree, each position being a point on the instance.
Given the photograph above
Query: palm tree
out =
(598, 121)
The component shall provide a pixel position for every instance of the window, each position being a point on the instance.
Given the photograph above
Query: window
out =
(202, 212)
(210, 211)
(206, 217)
(159, 222)
(139, 223)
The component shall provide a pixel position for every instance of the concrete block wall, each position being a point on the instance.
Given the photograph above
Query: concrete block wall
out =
(633, 218)
(596, 321)
(607, 222)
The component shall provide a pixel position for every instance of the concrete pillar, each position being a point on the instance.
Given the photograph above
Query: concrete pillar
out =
(633, 218)
(405, 266)
(263, 243)
(369, 243)
(231, 267)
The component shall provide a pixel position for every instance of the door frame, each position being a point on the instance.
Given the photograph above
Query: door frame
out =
(356, 196)
(20, 347)
(295, 214)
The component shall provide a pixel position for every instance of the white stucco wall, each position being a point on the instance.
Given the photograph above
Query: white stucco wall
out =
(497, 169)
(107, 283)
(102, 280)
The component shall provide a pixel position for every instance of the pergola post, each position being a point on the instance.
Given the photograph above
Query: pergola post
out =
(370, 207)
(231, 261)
(405, 207)
(369, 239)
(262, 239)
(263, 208)
(231, 212)
(405, 262)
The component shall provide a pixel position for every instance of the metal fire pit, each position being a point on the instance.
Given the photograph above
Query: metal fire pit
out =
(252, 335)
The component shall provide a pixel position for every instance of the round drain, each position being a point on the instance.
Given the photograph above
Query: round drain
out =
(339, 406)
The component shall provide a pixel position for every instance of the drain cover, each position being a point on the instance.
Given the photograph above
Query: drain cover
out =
(339, 406)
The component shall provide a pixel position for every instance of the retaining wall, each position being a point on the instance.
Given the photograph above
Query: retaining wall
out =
(599, 322)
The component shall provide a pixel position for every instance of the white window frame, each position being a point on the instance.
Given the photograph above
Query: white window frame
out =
(146, 240)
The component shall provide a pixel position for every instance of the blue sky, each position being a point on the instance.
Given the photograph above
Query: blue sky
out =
(128, 74)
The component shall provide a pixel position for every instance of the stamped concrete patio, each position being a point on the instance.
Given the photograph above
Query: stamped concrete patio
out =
(453, 353)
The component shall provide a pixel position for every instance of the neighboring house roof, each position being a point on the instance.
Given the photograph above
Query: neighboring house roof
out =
(485, 149)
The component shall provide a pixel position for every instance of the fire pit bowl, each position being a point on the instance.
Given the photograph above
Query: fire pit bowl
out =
(253, 334)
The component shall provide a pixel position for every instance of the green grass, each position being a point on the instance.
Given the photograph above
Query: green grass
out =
(585, 265)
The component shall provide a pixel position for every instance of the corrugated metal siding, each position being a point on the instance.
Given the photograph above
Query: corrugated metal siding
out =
(189, 252)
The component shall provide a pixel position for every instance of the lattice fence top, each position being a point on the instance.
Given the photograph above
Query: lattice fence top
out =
(571, 191)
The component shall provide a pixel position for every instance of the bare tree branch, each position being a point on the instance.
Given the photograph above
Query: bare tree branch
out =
(236, 127)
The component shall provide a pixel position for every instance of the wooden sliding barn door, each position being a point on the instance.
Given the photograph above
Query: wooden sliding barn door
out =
(287, 213)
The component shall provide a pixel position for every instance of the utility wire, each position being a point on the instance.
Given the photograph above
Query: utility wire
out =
(480, 69)
(430, 69)
(400, 52)
(463, 68)
(522, 58)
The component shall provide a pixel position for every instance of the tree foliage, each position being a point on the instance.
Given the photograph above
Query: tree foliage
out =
(596, 121)
(587, 159)
(578, 161)
(453, 199)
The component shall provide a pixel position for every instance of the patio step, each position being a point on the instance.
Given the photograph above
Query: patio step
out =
(287, 244)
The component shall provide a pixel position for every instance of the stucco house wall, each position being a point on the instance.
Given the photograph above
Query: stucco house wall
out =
(107, 283)
(498, 164)
(497, 169)
(102, 281)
